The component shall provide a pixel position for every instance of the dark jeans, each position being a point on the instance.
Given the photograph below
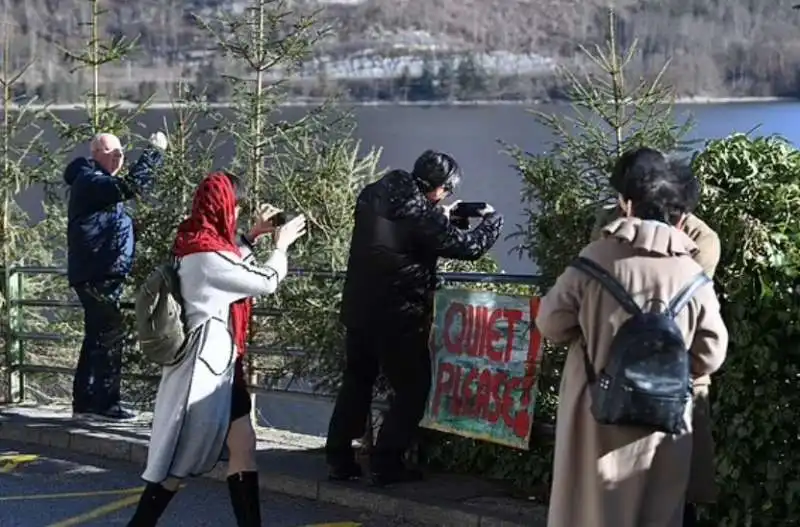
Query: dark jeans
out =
(97, 378)
(405, 361)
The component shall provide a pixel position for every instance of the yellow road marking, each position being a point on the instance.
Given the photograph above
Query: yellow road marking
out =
(9, 462)
(65, 495)
(99, 512)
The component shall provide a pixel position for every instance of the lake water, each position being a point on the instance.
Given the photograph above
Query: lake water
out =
(470, 133)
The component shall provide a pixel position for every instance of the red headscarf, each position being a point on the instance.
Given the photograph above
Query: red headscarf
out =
(212, 227)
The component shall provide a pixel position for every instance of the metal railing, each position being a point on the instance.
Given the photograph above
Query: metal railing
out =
(17, 365)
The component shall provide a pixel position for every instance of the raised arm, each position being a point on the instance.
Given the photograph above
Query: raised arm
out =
(100, 189)
(247, 249)
(230, 273)
(434, 232)
(140, 175)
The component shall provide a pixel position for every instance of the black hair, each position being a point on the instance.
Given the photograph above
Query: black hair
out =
(633, 163)
(435, 169)
(657, 188)
(239, 188)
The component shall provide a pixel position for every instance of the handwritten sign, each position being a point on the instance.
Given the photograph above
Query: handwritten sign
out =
(485, 352)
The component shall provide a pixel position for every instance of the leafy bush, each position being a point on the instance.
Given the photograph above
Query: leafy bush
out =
(751, 197)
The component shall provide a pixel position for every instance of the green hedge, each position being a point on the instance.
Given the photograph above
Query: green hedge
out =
(752, 198)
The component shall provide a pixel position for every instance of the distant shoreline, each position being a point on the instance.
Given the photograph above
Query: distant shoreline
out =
(161, 106)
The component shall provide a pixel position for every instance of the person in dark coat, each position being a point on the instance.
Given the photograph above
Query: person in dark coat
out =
(100, 252)
(400, 232)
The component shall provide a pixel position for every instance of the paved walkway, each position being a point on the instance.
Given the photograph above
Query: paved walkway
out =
(290, 464)
(42, 486)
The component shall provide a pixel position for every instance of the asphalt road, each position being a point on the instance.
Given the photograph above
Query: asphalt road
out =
(42, 487)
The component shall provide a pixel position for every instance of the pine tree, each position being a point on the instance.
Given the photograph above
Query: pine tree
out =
(309, 166)
(19, 244)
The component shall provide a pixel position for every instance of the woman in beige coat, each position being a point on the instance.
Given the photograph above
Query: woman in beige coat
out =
(702, 484)
(614, 476)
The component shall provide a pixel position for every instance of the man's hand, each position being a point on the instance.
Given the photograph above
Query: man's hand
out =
(447, 209)
(485, 211)
(159, 140)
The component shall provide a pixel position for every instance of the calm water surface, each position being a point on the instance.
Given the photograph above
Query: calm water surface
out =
(471, 135)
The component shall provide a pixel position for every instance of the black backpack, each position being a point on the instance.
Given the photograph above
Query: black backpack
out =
(647, 380)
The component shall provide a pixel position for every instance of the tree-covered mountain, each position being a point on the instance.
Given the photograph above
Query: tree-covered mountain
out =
(386, 48)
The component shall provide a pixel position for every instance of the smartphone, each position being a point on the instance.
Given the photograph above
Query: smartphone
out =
(281, 218)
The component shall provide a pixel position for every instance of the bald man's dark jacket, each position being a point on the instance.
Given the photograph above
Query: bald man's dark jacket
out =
(100, 236)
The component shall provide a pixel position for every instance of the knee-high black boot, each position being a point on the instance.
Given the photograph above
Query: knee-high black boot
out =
(151, 506)
(689, 515)
(245, 498)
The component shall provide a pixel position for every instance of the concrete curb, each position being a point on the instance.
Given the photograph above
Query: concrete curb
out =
(117, 447)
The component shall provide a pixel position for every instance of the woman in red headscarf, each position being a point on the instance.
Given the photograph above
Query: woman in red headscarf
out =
(202, 402)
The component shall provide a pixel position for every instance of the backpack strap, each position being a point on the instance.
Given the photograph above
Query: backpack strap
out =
(608, 282)
(685, 295)
(616, 289)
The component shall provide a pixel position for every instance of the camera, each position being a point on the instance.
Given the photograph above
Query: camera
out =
(462, 212)
(282, 218)
(468, 209)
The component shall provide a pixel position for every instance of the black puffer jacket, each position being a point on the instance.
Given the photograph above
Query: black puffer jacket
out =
(398, 237)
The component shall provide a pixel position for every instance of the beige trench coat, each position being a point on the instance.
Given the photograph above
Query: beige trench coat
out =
(702, 481)
(608, 476)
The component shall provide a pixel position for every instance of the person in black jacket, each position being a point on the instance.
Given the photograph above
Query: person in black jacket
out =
(400, 233)
(100, 253)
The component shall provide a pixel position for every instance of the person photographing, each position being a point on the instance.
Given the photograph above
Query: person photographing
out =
(203, 402)
(401, 230)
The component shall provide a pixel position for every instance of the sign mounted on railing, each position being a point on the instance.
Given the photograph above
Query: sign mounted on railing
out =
(485, 352)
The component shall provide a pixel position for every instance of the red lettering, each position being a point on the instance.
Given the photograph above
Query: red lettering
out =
(513, 316)
(472, 330)
(507, 401)
(519, 421)
(524, 419)
(497, 388)
(455, 395)
(484, 396)
(468, 406)
(481, 393)
(485, 330)
(455, 343)
(535, 340)
(493, 334)
(444, 383)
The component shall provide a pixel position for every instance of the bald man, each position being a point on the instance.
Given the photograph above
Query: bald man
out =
(100, 251)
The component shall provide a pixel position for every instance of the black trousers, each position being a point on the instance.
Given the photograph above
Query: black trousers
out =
(96, 386)
(405, 362)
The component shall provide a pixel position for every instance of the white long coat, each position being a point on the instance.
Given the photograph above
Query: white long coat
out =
(193, 404)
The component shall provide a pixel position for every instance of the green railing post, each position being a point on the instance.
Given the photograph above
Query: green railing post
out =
(16, 325)
(13, 347)
(7, 344)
